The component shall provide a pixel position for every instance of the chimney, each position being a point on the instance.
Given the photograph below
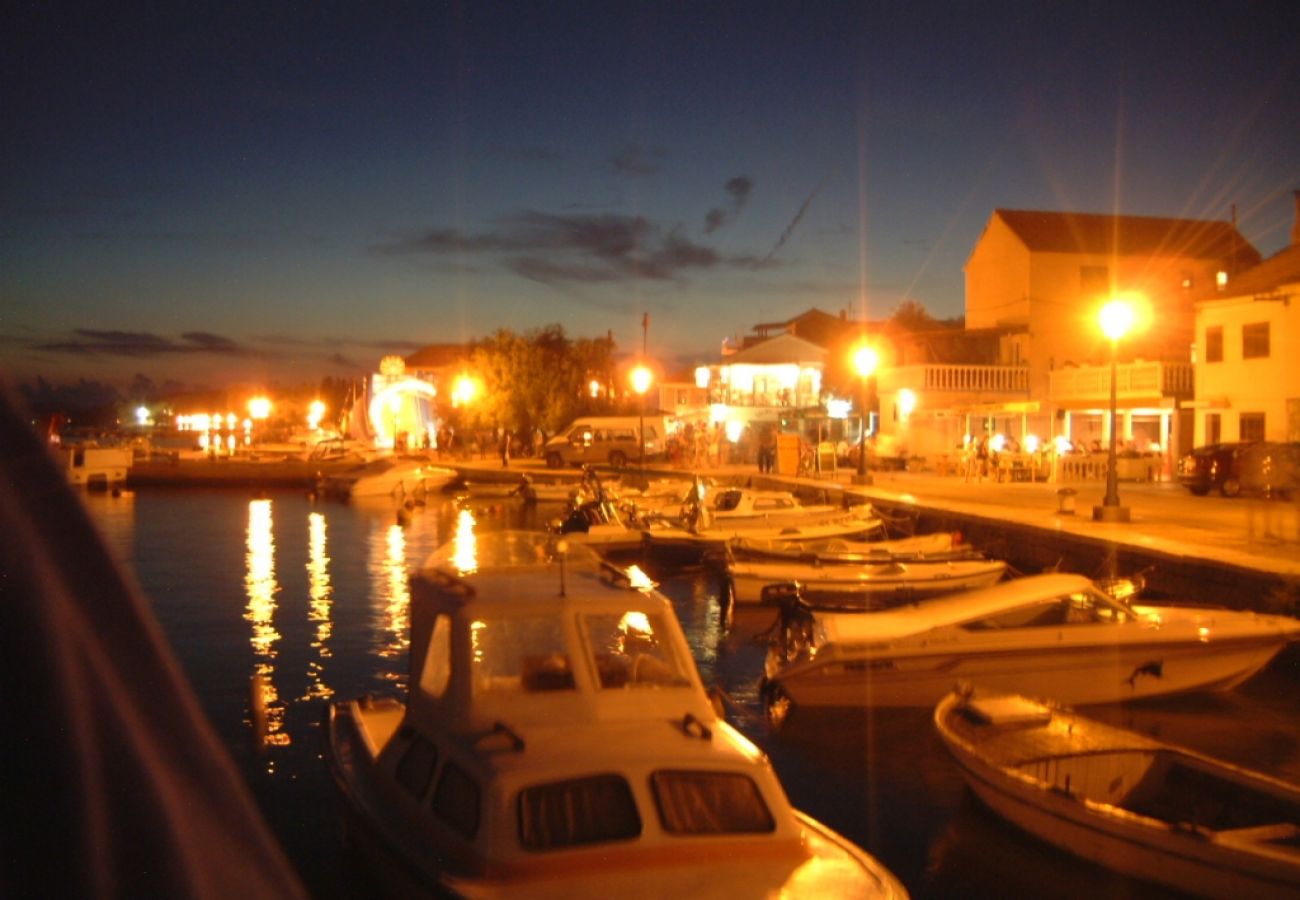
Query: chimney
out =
(1295, 225)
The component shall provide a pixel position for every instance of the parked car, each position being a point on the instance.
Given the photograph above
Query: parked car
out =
(605, 439)
(1271, 468)
(1213, 467)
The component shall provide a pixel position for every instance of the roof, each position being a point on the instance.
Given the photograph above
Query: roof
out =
(1273, 273)
(783, 348)
(1069, 232)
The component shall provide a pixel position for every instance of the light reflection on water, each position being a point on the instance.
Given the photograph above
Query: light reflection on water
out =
(314, 598)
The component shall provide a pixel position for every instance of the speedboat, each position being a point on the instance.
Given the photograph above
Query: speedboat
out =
(556, 741)
(399, 477)
(746, 505)
(1057, 636)
(868, 585)
(1147, 809)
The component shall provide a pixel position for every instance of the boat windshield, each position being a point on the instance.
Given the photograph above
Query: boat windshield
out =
(1088, 607)
(497, 550)
(633, 649)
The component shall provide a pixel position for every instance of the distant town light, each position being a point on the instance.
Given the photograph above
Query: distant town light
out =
(315, 412)
(259, 407)
(865, 360)
(1117, 318)
(906, 402)
(594, 388)
(702, 375)
(142, 415)
(1032, 443)
(463, 391)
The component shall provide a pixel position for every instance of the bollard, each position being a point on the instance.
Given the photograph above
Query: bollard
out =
(1065, 501)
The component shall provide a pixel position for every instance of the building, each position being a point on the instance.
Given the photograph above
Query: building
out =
(1247, 344)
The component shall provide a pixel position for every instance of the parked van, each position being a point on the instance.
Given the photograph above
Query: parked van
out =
(601, 440)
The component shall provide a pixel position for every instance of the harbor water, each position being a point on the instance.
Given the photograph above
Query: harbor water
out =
(310, 600)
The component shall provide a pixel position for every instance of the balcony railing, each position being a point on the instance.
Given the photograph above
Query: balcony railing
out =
(1137, 379)
(959, 379)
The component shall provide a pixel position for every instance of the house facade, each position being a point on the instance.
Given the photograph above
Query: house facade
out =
(1247, 347)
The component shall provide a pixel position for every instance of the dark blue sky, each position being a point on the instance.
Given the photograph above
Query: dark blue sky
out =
(218, 192)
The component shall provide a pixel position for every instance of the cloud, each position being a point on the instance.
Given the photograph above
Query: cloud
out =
(578, 248)
(637, 159)
(142, 344)
(738, 189)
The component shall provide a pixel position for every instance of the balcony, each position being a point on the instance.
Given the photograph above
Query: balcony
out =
(936, 379)
(1136, 381)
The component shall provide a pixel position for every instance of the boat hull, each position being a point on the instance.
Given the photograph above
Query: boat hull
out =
(866, 587)
(1073, 676)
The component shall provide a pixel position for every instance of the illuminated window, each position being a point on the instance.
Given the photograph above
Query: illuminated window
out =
(1214, 344)
(1254, 341)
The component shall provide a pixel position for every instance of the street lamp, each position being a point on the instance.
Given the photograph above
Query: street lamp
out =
(865, 361)
(1116, 320)
(641, 379)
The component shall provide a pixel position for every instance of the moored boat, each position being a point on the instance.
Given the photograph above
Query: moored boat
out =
(399, 477)
(836, 551)
(1147, 809)
(865, 586)
(557, 742)
(1057, 635)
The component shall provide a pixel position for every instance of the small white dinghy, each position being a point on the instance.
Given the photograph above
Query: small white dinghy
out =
(1141, 807)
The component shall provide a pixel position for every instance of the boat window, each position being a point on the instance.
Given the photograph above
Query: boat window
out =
(437, 660)
(415, 768)
(710, 803)
(632, 649)
(583, 811)
(727, 501)
(519, 654)
(456, 799)
(774, 503)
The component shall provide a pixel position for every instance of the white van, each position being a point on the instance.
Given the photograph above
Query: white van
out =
(605, 440)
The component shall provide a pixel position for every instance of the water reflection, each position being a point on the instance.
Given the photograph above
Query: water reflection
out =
(115, 516)
(261, 588)
(465, 543)
(391, 597)
(320, 600)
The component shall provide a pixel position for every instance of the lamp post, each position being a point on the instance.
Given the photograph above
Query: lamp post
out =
(641, 378)
(865, 361)
(1116, 319)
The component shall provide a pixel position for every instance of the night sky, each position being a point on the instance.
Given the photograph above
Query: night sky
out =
(217, 192)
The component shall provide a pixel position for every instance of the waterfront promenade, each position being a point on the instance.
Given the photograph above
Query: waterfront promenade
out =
(1245, 533)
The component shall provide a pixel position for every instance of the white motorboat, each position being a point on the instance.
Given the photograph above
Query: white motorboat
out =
(940, 545)
(1058, 636)
(98, 468)
(1142, 807)
(740, 505)
(399, 477)
(557, 742)
(866, 586)
(697, 532)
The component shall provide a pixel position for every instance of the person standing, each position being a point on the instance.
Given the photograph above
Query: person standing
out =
(504, 446)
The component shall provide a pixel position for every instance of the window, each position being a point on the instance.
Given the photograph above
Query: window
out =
(1094, 279)
(437, 660)
(1251, 426)
(710, 803)
(523, 653)
(456, 799)
(1213, 428)
(632, 650)
(415, 768)
(584, 811)
(1214, 344)
(1254, 341)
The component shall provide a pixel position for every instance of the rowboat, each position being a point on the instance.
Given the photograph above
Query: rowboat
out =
(865, 586)
(1142, 807)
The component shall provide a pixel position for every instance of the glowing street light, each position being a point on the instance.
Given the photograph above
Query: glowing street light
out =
(1116, 319)
(463, 391)
(866, 359)
(259, 408)
(315, 413)
(641, 380)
